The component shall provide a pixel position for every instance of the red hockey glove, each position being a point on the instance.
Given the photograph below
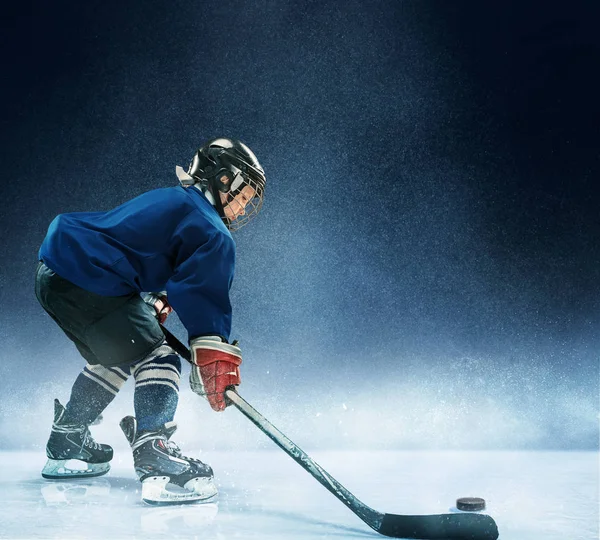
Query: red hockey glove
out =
(217, 366)
(160, 304)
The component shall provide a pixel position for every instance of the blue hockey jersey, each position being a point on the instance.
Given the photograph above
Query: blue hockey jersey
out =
(166, 239)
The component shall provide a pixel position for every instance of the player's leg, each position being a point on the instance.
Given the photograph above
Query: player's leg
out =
(93, 390)
(81, 314)
(156, 393)
(167, 475)
(71, 450)
(70, 439)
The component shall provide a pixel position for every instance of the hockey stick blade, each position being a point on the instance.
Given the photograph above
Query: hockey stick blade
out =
(447, 526)
(461, 526)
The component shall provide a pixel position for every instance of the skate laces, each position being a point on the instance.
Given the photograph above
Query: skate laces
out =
(88, 440)
(173, 448)
(84, 433)
(175, 451)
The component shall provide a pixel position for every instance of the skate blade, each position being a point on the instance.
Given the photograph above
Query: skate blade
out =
(157, 490)
(58, 469)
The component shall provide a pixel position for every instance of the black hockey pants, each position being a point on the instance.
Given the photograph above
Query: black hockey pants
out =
(107, 330)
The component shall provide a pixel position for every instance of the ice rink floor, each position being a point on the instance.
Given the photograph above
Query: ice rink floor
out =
(265, 495)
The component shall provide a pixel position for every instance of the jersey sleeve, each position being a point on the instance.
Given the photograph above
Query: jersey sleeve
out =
(198, 290)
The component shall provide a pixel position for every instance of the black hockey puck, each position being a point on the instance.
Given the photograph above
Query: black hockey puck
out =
(470, 504)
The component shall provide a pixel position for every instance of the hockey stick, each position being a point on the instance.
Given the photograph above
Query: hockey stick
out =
(462, 526)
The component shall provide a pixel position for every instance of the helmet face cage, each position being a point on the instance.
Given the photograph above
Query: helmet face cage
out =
(251, 208)
(225, 157)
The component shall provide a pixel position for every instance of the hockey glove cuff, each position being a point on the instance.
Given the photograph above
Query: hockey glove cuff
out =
(160, 304)
(216, 368)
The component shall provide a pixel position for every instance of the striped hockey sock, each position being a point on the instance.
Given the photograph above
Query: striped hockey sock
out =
(95, 387)
(156, 388)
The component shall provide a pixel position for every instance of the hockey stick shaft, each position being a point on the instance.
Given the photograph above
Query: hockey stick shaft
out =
(448, 526)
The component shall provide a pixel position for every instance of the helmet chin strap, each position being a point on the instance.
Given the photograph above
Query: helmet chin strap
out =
(206, 192)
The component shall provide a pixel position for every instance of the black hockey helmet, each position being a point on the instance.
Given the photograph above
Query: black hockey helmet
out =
(232, 159)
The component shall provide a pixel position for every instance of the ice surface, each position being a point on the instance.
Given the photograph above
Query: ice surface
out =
(265, 495)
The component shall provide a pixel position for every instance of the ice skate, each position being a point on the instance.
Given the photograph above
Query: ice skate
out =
(72, 452)
(167, 476)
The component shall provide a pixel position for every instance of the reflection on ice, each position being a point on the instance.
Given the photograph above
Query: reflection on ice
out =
(73, 501)
(194, 518)
(62, 492)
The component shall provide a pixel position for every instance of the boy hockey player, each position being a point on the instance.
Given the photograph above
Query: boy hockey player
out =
(93, 267)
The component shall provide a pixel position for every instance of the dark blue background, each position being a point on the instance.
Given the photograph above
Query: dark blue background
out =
(425, 269)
